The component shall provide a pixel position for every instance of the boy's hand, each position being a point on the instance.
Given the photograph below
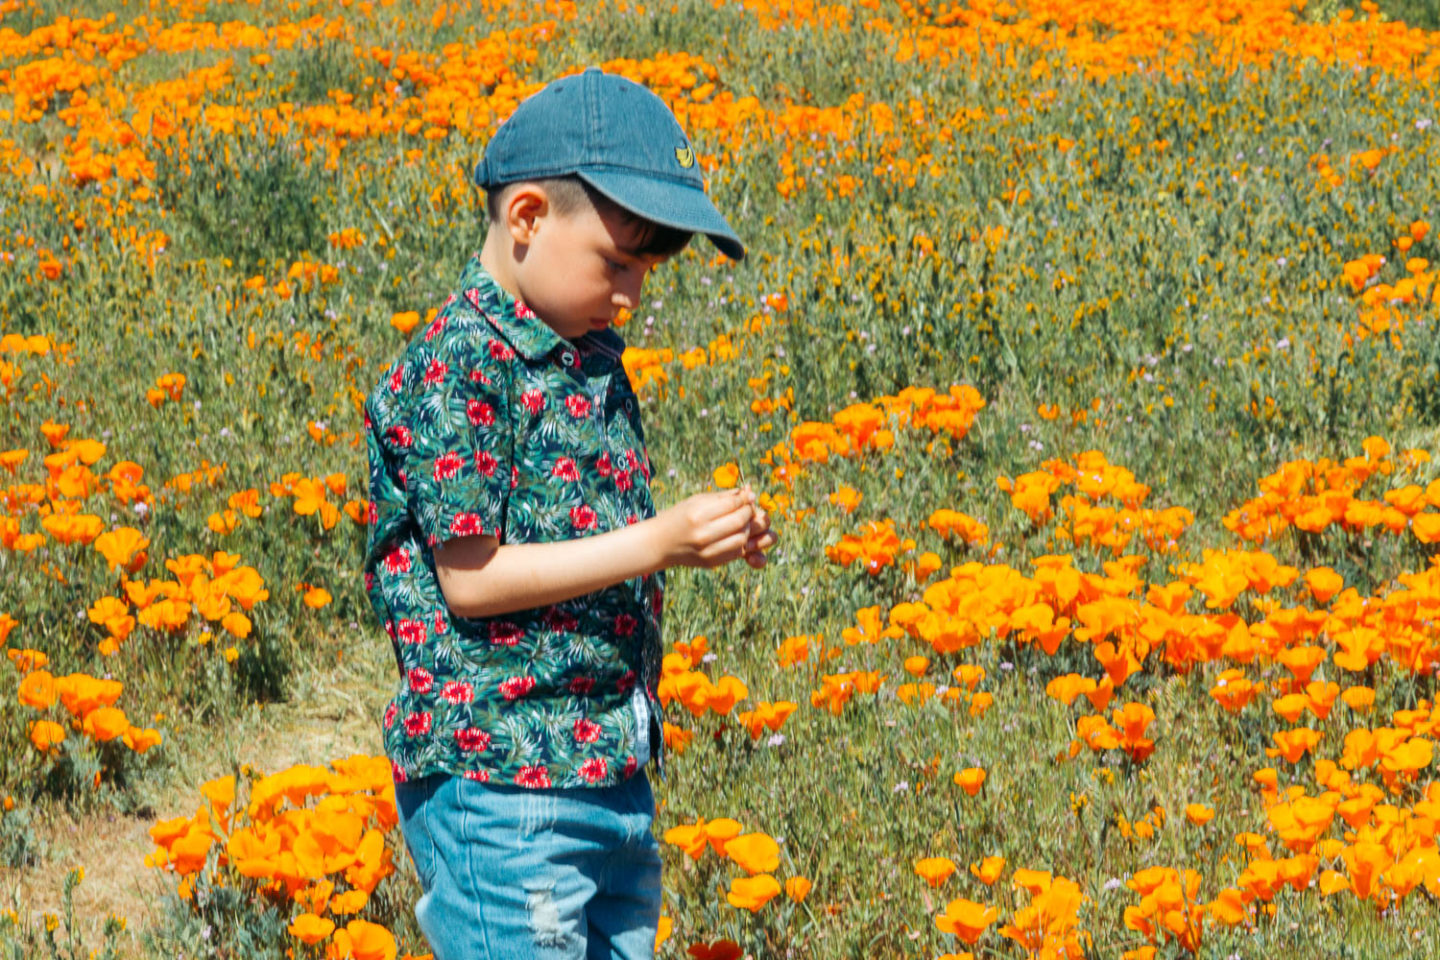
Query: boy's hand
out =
(760, 539)
(711, 529)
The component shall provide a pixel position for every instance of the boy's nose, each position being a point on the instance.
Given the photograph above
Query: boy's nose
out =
(627, 295)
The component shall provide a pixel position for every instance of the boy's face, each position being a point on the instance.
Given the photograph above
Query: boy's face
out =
(578, 270)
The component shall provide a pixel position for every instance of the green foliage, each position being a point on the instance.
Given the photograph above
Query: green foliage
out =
(251, 200)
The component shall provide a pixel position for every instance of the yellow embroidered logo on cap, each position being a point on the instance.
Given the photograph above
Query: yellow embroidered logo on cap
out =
(686, 156)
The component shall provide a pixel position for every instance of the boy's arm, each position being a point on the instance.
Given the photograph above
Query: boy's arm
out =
(481, 578)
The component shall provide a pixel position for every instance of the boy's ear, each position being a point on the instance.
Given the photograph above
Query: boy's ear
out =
(524, 208)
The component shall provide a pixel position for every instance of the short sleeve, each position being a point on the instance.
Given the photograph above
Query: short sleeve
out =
(458, 464)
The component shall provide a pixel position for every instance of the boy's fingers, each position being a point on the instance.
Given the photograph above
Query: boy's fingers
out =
(723, 551)
(719, 504)
(763, 542)
(727, 525)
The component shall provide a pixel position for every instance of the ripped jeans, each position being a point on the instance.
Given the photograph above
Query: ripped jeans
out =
(510, 872)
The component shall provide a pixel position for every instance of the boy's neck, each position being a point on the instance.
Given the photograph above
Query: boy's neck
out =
(495, 257)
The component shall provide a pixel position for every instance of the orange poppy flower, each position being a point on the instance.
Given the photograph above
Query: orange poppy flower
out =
(37, 690)
(45, 734)
(310, 929)
(754, 852)
(966, 919)
(727, 476)
(935, 870)
(971, 779)
(106, 723)
(123, 548)
(988, 870)
(752, 893)
(362, 940)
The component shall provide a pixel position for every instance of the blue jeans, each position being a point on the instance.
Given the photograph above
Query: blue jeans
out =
(508, 872)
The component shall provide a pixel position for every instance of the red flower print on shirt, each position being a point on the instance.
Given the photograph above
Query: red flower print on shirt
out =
(369, 581)
(472, 739)
(481, 414)
(626, 683)
(397, 561)
(516, 687)
(603, 465)
(417, 724)
(436, 372)
(631, 459)
(586, 730)
(411, 631)
(421, 680)
(535, 777)
(440, 625)
(400, 436)
(467, 525)
(579, 406)
(622, 480)
(625, 625)
(436, 328)
(582, 517)
(397, 379)
(391, 712)
(478, 376)
(457, 691)
(372, 514)
(448, 464)
(523, 311)
(594, 770)
(485, 463)
(565, 469)
(533, 401)
(397, 772)
(514, 477)
(581, 686)
(504, 633)
(560, 621)
(479, 776)
(498, 351)
(631, 765)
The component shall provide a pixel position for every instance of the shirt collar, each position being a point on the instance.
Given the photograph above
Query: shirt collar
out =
(531, 337)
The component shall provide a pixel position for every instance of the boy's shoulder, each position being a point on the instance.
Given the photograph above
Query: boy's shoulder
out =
(466, 333)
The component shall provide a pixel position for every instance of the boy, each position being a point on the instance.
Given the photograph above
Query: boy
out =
(515, 556)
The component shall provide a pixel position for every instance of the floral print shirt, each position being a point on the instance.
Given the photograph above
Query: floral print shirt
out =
(490, 422)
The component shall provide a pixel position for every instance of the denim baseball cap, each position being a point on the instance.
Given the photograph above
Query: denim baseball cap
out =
(619, 138)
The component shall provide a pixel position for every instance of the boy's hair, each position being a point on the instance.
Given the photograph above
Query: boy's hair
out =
(570, 194)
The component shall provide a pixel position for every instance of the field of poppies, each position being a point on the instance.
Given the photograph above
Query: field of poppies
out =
(1085, 358)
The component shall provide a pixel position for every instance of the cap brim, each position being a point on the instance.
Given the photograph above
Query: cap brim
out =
(669, 204)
